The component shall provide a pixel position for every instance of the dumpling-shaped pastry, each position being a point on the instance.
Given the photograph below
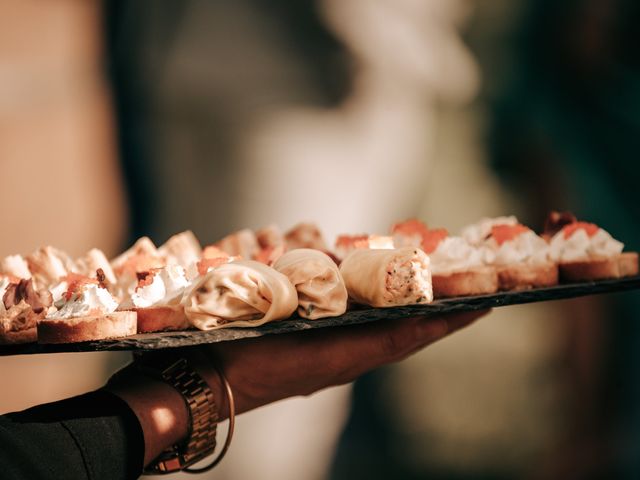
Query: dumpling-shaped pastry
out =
(321, 289)
(240, 294)
(388, 278)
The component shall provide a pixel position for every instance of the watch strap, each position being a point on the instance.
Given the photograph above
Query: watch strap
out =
(203, 413)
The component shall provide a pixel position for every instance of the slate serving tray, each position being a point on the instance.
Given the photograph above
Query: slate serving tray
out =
(155, 341)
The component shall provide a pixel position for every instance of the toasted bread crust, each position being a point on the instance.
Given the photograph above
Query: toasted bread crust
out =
(476, 281)
(29, 335)
(159, 319)
(623, 265)
(111, 325)
(522, 276)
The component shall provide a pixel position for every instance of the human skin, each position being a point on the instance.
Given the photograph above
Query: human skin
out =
(271, 368)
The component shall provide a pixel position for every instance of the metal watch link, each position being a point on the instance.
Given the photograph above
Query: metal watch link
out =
(203, 413)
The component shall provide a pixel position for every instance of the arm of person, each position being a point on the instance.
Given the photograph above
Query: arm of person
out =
(113, 432)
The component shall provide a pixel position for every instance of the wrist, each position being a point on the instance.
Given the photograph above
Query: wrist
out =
(160, 409)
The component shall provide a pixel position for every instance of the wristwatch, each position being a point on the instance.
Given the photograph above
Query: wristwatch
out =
(203, 413)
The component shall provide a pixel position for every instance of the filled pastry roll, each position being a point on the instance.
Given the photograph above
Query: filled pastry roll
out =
(240, 294)
(388, 278)
(316, 277)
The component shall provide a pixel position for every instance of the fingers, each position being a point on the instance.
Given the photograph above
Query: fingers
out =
(351, 351)
(273, 367)
(401, 340)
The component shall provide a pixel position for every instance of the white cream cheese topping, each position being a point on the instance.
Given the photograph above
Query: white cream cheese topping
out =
(166, 288)
(526, 247)
(91, 299)
(57, 293)
(579, 246)
(455, 254)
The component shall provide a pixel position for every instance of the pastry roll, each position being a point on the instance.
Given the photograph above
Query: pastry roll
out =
(388, 278)
(316, 277)
(240, 294)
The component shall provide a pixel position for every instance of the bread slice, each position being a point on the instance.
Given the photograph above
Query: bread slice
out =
(523, 276)
(159, 319)
(97, 327)
(476, 281)
(618, 266)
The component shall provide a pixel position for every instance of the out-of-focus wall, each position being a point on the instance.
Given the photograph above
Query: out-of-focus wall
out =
(60, 180)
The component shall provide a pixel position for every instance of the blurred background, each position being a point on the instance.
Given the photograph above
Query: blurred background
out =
(122, 118)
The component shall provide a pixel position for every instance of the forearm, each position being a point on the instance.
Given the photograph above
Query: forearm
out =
(159, 408)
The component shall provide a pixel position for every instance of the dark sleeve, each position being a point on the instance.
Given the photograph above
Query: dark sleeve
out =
(93, 436)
